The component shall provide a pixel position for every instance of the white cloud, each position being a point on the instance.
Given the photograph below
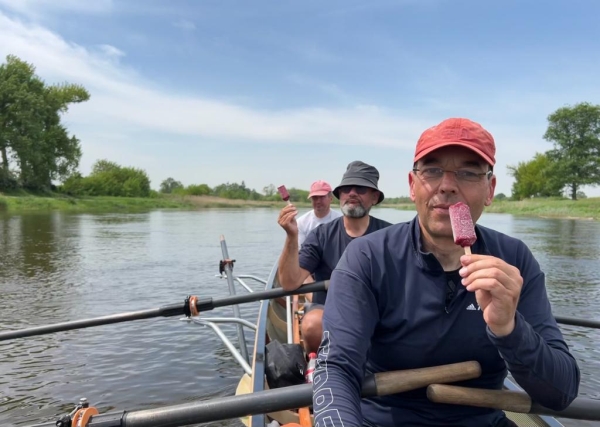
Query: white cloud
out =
(120, 95)
(185, 24)
(39, 8)
(111, 51)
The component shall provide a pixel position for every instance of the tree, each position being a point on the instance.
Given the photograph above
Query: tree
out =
(269, 190)
(109, 179)
(31, 134)
(575, 132)
(169, 185)
(535, 178)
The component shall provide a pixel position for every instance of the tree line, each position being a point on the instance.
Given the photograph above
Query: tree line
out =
(37, 150)
(573, 162)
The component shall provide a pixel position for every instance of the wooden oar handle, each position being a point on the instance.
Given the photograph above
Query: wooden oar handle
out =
(514, 401)
(401, 381)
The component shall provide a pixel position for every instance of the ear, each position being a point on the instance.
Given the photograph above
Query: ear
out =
(491, 190)
(411, 185)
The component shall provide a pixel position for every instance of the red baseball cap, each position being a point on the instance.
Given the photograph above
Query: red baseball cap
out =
(457, 131)
(319, 188)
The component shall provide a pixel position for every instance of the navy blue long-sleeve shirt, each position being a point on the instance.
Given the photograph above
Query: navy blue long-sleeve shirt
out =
(388, 309)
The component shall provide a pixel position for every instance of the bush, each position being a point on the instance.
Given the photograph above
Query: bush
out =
(109, 179)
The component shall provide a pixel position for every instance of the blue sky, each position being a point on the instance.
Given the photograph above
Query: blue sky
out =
(276, 92)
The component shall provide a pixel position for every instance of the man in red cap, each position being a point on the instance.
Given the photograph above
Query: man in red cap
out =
(408, 297)
(320, 197)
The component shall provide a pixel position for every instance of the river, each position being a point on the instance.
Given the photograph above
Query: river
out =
(57, 267)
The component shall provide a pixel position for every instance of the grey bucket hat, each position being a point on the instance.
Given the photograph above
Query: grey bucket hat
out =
(360, 174)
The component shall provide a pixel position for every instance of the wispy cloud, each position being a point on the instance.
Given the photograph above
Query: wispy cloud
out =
(111, 51)
(184, 24)
(39, 8)
(120, 95)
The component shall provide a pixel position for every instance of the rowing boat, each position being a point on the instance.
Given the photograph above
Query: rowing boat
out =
(273, 323)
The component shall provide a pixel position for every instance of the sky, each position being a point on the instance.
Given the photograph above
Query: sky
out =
(280, 92)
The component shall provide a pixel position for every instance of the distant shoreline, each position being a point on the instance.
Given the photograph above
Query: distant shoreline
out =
(588, 209)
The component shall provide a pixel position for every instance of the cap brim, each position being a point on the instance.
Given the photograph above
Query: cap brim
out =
(318, 193)
(460, 144)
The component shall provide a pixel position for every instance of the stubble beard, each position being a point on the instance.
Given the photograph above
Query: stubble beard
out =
(355, 211)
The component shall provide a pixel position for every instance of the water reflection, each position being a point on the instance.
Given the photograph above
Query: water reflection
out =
(58, 267)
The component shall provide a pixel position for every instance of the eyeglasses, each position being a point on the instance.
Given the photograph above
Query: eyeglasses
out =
(357, 188)
(462, 175)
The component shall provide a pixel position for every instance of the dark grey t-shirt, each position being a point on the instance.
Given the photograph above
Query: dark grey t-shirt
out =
(324, 247)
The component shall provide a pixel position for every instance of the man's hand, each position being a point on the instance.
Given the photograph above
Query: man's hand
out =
(497, 286)
(287, 219)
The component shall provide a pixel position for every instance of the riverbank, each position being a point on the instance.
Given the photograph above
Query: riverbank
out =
(542, 208)
(545, 208)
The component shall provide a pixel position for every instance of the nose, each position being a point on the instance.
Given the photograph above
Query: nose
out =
(448, 183)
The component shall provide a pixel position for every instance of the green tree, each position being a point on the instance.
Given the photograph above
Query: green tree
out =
(575, 132)
(31, 134)
(198, 190)
(535, 178)
(109, 179)
(169, 185)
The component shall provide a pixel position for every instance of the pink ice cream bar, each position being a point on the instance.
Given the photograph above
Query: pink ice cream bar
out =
(284, 193)
(463, 229)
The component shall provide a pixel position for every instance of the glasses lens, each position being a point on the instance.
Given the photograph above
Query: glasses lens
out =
(357, 189)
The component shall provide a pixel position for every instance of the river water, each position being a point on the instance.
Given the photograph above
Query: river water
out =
(59, 267)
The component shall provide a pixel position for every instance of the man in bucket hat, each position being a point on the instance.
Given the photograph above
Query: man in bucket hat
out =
(320, 197)
(409, 297)
(324, 245)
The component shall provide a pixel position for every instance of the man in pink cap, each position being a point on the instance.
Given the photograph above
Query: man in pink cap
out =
(320, 196)
(409, 297)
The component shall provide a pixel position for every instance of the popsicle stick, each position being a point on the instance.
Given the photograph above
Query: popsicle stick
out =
(468, 250)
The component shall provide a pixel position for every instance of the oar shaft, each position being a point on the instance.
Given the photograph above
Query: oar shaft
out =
(203, 304)
(574, 321)
(513, 401)
(80, 324)
(267, 401)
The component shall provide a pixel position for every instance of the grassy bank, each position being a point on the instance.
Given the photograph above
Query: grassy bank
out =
(34, 203)
(23, 202)
(544, 208)
(26, 202)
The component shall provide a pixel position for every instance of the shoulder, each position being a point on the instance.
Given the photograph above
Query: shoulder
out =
(377, 224)
(305, 217)
(512, 250)
(392, 237)
(496, 240)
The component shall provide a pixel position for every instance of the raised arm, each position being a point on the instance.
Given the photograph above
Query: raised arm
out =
(521, 325)
(290, 274)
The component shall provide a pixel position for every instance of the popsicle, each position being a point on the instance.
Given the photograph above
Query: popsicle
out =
(284, 194)
(463, 229)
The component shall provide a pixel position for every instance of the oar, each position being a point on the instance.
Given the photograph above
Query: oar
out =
(280, 399)
(513, 401)
(587, 323)
(200, 305)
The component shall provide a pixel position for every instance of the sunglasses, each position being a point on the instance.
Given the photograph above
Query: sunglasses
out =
(357, 189)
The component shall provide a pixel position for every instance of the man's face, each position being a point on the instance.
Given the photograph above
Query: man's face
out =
(433, 192)
(357, 201)
(321, 204)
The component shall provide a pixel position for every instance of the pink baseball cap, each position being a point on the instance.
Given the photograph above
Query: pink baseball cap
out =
(319, 188)
(457, 131)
